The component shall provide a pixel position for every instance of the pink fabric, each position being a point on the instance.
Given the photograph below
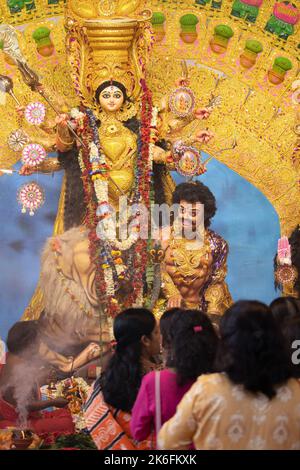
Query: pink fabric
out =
(143, 412)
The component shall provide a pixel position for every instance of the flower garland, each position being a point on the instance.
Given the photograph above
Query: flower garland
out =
(105, 250)
(143, 171)
(103, 280)
(76, 390)
(113, 265)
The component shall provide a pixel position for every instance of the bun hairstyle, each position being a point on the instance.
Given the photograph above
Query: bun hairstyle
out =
(285, 309)
(194, 345)
(252, 350)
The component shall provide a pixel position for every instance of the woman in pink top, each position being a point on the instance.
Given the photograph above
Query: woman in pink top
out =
(189, 342)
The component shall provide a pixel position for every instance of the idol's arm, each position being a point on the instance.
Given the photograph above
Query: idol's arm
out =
(64, 139)
(49, 165)
(171, 292)
(163, 157)
(217, 294)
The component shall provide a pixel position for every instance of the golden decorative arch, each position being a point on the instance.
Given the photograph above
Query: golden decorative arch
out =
(260, 118)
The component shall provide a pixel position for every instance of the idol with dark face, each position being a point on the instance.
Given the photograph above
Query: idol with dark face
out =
(194, 268)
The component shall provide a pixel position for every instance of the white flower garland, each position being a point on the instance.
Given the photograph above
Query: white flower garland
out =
(106, 230)
(76, 114)
(109, 281)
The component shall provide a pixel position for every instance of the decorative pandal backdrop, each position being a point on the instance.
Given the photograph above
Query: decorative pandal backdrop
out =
(246, 52)
(242, 58)
(259, 104)
(232, 62)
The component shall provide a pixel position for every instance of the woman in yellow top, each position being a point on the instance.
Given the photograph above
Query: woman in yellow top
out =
(254, 404)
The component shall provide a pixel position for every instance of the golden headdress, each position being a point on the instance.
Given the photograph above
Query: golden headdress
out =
(107, 40)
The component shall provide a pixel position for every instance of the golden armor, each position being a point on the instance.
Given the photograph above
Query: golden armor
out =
(195, 273)
(120, 147)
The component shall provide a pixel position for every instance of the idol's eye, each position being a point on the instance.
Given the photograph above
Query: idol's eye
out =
(106, 96)
(117, 96)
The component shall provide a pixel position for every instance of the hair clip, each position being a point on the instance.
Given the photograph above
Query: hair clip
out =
(197, 329)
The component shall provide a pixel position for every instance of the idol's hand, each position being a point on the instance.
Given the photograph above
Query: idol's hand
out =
(204, 136)
(175, 301)
(27, 170)
(202, 170)
(64, 139)
(185, 82)
(93, 351)
(20, 111)
(202, 113)
(62, 121)
(159, 155)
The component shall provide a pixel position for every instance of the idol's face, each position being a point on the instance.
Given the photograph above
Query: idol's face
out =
(191, 214)
(111, 99)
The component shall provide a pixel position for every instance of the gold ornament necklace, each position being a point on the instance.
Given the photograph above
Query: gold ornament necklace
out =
(187, 260)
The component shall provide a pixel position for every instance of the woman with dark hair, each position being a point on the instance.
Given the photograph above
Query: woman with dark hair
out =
(191, 352)
(254, 403)
(113, 395)
(291, 334)
(167, 329)
(285, 309)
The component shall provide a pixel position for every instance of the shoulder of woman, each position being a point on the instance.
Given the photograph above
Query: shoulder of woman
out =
(209, 381)
(149, 378)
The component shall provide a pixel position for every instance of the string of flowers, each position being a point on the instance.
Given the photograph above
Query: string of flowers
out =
(151, 271)
(143, 192)
(107, 255)
(91, 220)
(110, 268)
